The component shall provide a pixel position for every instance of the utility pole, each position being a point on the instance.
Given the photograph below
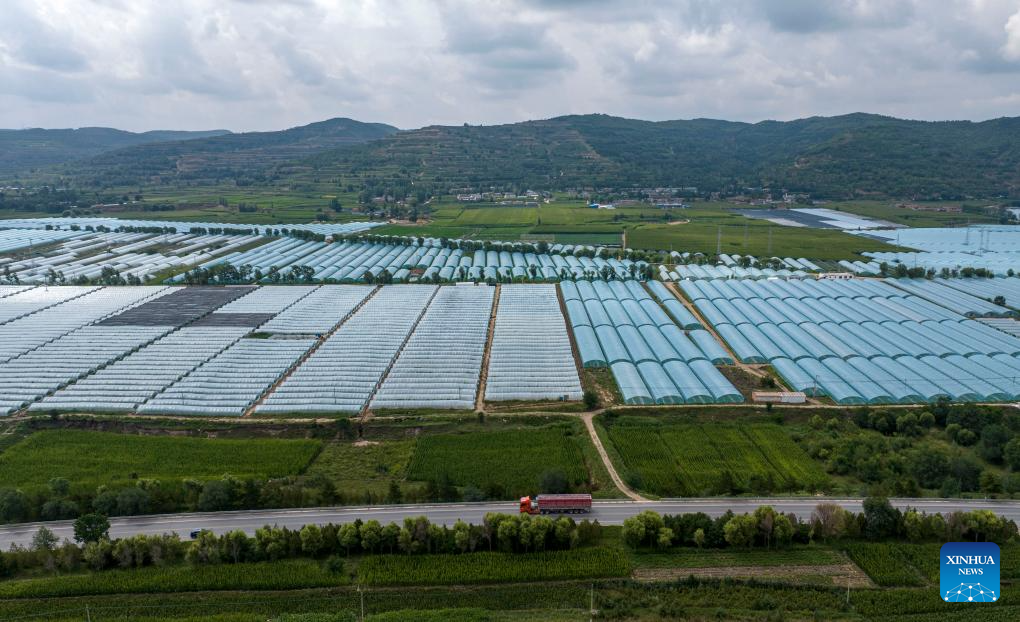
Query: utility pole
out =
(88, 616)
(362, 596)
(718, 241)
(769, 253)
(591, 604)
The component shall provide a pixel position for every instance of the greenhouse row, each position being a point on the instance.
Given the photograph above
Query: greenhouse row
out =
(988, 289)
(861, 268)
(10, 290)
(619, 325)
(354, 261)
(706, 271)
(976, 239)
(530, 357)
(59, 312)
(342, 374)
(955, 299)
(48, 367)
(142, 255)
(440, 365)
(232, 381)
(64, 223)
(23, 239)
(319, 311)
(31, 300)
(130, 382)
(999, 264)
(272, 300)
(860, 342)
(734, 261)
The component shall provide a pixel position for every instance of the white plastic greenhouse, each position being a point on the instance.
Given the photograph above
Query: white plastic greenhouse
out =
(232, 381)
(440, 364)
(530, 357)
(342, 374)
(126, 384)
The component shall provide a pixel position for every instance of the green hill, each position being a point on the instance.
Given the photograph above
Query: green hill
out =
(28, 149)
(852, 155)
(243, 157)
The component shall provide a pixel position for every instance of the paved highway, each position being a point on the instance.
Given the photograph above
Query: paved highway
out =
(607, 512)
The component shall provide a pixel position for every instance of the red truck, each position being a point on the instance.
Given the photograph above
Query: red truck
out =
(556, 504)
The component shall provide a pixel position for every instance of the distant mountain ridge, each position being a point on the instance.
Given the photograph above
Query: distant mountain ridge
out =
(851, 155)
(854, 155)
(26, 149)
(241, 156)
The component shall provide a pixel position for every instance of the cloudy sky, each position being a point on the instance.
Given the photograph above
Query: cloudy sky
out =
(269, 64)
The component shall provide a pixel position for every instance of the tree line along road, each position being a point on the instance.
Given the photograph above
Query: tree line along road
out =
(606, 512)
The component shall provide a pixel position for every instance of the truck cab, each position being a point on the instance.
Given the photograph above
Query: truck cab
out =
(529, 505)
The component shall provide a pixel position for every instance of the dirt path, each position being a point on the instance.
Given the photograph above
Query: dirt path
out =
(590, 425)
(483, 374)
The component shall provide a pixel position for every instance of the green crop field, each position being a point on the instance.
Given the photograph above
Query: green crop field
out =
(888, 211)
(677, 459)
(363, 466)
(715, 226)
(486, 567)
(95, 458)
(723, 558)
(281, 575)
(908, 565)
(513, 460)
(893, 564)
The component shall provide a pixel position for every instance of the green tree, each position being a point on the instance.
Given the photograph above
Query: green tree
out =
(993, 441)
(881, 519)
(633, 531)
(371, 536)
(740, 531)
(699, 537)
(311, 540)
(13, 505)
(44, 540)
(235, 545)
(91, 528)
(664, 540)
(1011, 453)
(216, 495)
(349, 537)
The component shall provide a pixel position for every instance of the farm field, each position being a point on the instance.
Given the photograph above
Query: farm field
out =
(366, 466)
(720, 558)
(93, 458)
(514, 461)
(684, 459)
(498, 461)
(714, 227)
(696, 229)
(280, 575)
(487, 567)
(888, 211)
(550, 600)
(898, 564)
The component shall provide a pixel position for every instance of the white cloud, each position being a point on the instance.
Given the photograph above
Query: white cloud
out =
(1011, 50)
(257, 64)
